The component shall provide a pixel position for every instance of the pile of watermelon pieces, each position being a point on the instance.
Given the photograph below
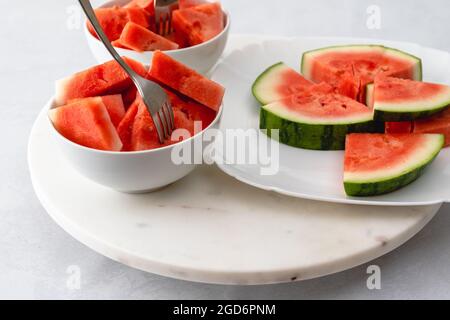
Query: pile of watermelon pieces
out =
(100, 108)
(367, 99)
(133, 26)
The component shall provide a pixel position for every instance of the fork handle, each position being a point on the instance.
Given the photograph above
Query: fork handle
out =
(89, 11)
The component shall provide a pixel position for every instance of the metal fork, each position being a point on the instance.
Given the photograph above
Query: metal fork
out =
(163, 16)
(153, 95)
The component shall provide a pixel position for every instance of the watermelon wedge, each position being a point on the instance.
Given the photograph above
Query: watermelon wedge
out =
(114, 106)
(395, 99)
(380, 163)
(105, 79)
(316, 120)
(87, 123)
(113, 20)
(277, 82)
(179, 77)
(198, 24)
(350, 68)
(140, 39)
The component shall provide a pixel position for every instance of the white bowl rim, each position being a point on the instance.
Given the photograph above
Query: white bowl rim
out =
(225, 30)
(51, 105)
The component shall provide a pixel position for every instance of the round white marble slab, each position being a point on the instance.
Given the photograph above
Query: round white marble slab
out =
(211, 228)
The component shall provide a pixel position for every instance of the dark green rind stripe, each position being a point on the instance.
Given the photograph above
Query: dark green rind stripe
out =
(314, 136)
(259, 79)
(382, 115)
(385, 186)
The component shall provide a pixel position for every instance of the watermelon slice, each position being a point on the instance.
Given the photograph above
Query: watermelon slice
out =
(438, 123)
(184, 4)
(113, 20)
(380, 163)
(147, 5)
(198, 24)
(350, 68)
(105, 79)
(140, 39)
(114, 106)
(87, 123)
(179, 77)
(317, 120)
(395, 99)
(277, 82)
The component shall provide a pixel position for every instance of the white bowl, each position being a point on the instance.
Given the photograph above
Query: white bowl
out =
(130, 172)
(201, 58)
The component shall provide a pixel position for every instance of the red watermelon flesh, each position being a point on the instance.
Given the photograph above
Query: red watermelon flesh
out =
(438, 123)
(141, 39)
(114, 105)
(349, 69)
(129, 96)
(105, 79)
(198, 24)
(125, 127)
(399, 127)
(184, 4)
(186, 81)
(371, 152)
(114, 19)
(87, 123)
(138, 131)
(147, 5)
(193, 112)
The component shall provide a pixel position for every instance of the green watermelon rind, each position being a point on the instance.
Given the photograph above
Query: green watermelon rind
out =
(374, 187)
(266, 79)
(418, 70)
(405, 115)
(313, 136)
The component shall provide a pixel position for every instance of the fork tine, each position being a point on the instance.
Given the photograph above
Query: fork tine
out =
(169, 23)
(168, 119)
(164, 123)
(157, 123)
(169, 111)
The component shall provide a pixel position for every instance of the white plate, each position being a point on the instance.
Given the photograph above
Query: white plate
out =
(309, 174)
(210, 228)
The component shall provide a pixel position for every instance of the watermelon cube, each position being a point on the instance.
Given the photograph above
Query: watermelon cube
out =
(114, 106)
(104, 79)
(114, 19)
(138, 132)
(198, 24)
(147, 5)
(184, 4)
(144, 135)
(87, 123)
(181, 78)
(140, 39)
(125, 126)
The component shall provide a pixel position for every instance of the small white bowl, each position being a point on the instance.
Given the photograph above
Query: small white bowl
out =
(131, 172)
(202, 57)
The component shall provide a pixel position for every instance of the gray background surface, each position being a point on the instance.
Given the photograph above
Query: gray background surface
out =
(37, 47)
